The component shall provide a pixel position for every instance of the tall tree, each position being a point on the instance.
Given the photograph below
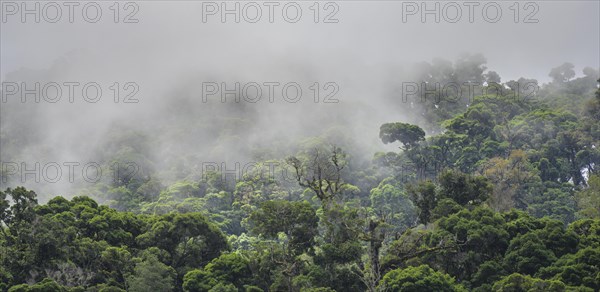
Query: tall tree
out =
(407, 134)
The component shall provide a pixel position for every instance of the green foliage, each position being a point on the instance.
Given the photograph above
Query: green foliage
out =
(506, 190)
(21, 209)
(526, 254)
(297, 220)
(517, 282)
(228, 270)
(421, 278)
(445, 207)
(424, 197)
(409, 135)
(464, 189)
(576, 269)
(455, 190)
(79, 243)
(151, 275)
(587, 231)
(393, 206)
(189, 239)
(588, 199)
(46, 285)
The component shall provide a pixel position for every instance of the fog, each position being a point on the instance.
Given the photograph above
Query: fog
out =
(171, 55)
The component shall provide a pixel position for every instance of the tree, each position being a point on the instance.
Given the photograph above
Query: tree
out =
(508, 178)
(517, 282)
(297, 220)
(588, 200)
(393, 206)
(576, 269)
(464, 189)
(466, 240)
(390, 214)
(116, 264)
(407, 134)
(321, 172)
(562, 73)
(189, 239)
(416, 279)
(523, 88)
(4, 211)
(469, 68)
(492, 77)
(46, 285)
(526, 254)
(424, 196)
(587, 230)
(228, 269)
(550, 199)
(151, 275)
(22, 209)
(593, 105)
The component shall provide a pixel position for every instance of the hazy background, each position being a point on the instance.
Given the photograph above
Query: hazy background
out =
(170, 52)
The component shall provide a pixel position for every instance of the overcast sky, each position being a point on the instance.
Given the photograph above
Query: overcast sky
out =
(171, 37)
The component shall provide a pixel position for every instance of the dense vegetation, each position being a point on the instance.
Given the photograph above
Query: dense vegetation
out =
(502, 195)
